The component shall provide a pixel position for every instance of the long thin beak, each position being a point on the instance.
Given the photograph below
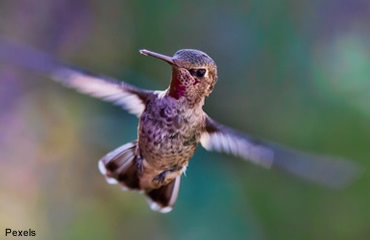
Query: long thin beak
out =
(157, 55)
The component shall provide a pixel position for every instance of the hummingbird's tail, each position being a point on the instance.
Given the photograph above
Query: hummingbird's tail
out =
(162, 199)
(120, 166)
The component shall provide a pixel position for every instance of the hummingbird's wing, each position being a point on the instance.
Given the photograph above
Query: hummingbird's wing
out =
(120, 93)
(331, 172)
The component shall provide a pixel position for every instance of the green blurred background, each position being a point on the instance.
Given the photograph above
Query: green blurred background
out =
(295, 72)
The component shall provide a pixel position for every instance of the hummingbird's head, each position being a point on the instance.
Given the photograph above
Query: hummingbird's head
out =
(194, 73)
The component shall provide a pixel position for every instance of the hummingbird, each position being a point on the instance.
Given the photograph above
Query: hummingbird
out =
(172, 124)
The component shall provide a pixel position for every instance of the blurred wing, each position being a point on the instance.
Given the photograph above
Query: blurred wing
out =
(120, 93)
(324, 170)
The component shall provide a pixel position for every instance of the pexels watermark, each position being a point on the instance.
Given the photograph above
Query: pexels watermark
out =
(19, 233)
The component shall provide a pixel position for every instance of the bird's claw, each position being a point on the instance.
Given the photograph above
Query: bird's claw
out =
(159, 179)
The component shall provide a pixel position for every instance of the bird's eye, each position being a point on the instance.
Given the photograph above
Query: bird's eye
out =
(198, 72)
(201, 72)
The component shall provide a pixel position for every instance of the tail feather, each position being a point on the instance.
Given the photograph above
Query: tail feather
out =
(119, 166)
(163, 198)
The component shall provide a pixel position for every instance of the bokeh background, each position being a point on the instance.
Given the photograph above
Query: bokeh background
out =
(295, 72)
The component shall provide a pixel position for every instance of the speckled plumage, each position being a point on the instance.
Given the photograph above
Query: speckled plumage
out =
(169, 132)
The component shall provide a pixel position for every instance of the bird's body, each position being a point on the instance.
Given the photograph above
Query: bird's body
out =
(172, 123)
(170, 128)
(169, 132)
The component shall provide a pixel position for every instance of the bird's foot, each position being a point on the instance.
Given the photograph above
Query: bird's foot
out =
(159, 179)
